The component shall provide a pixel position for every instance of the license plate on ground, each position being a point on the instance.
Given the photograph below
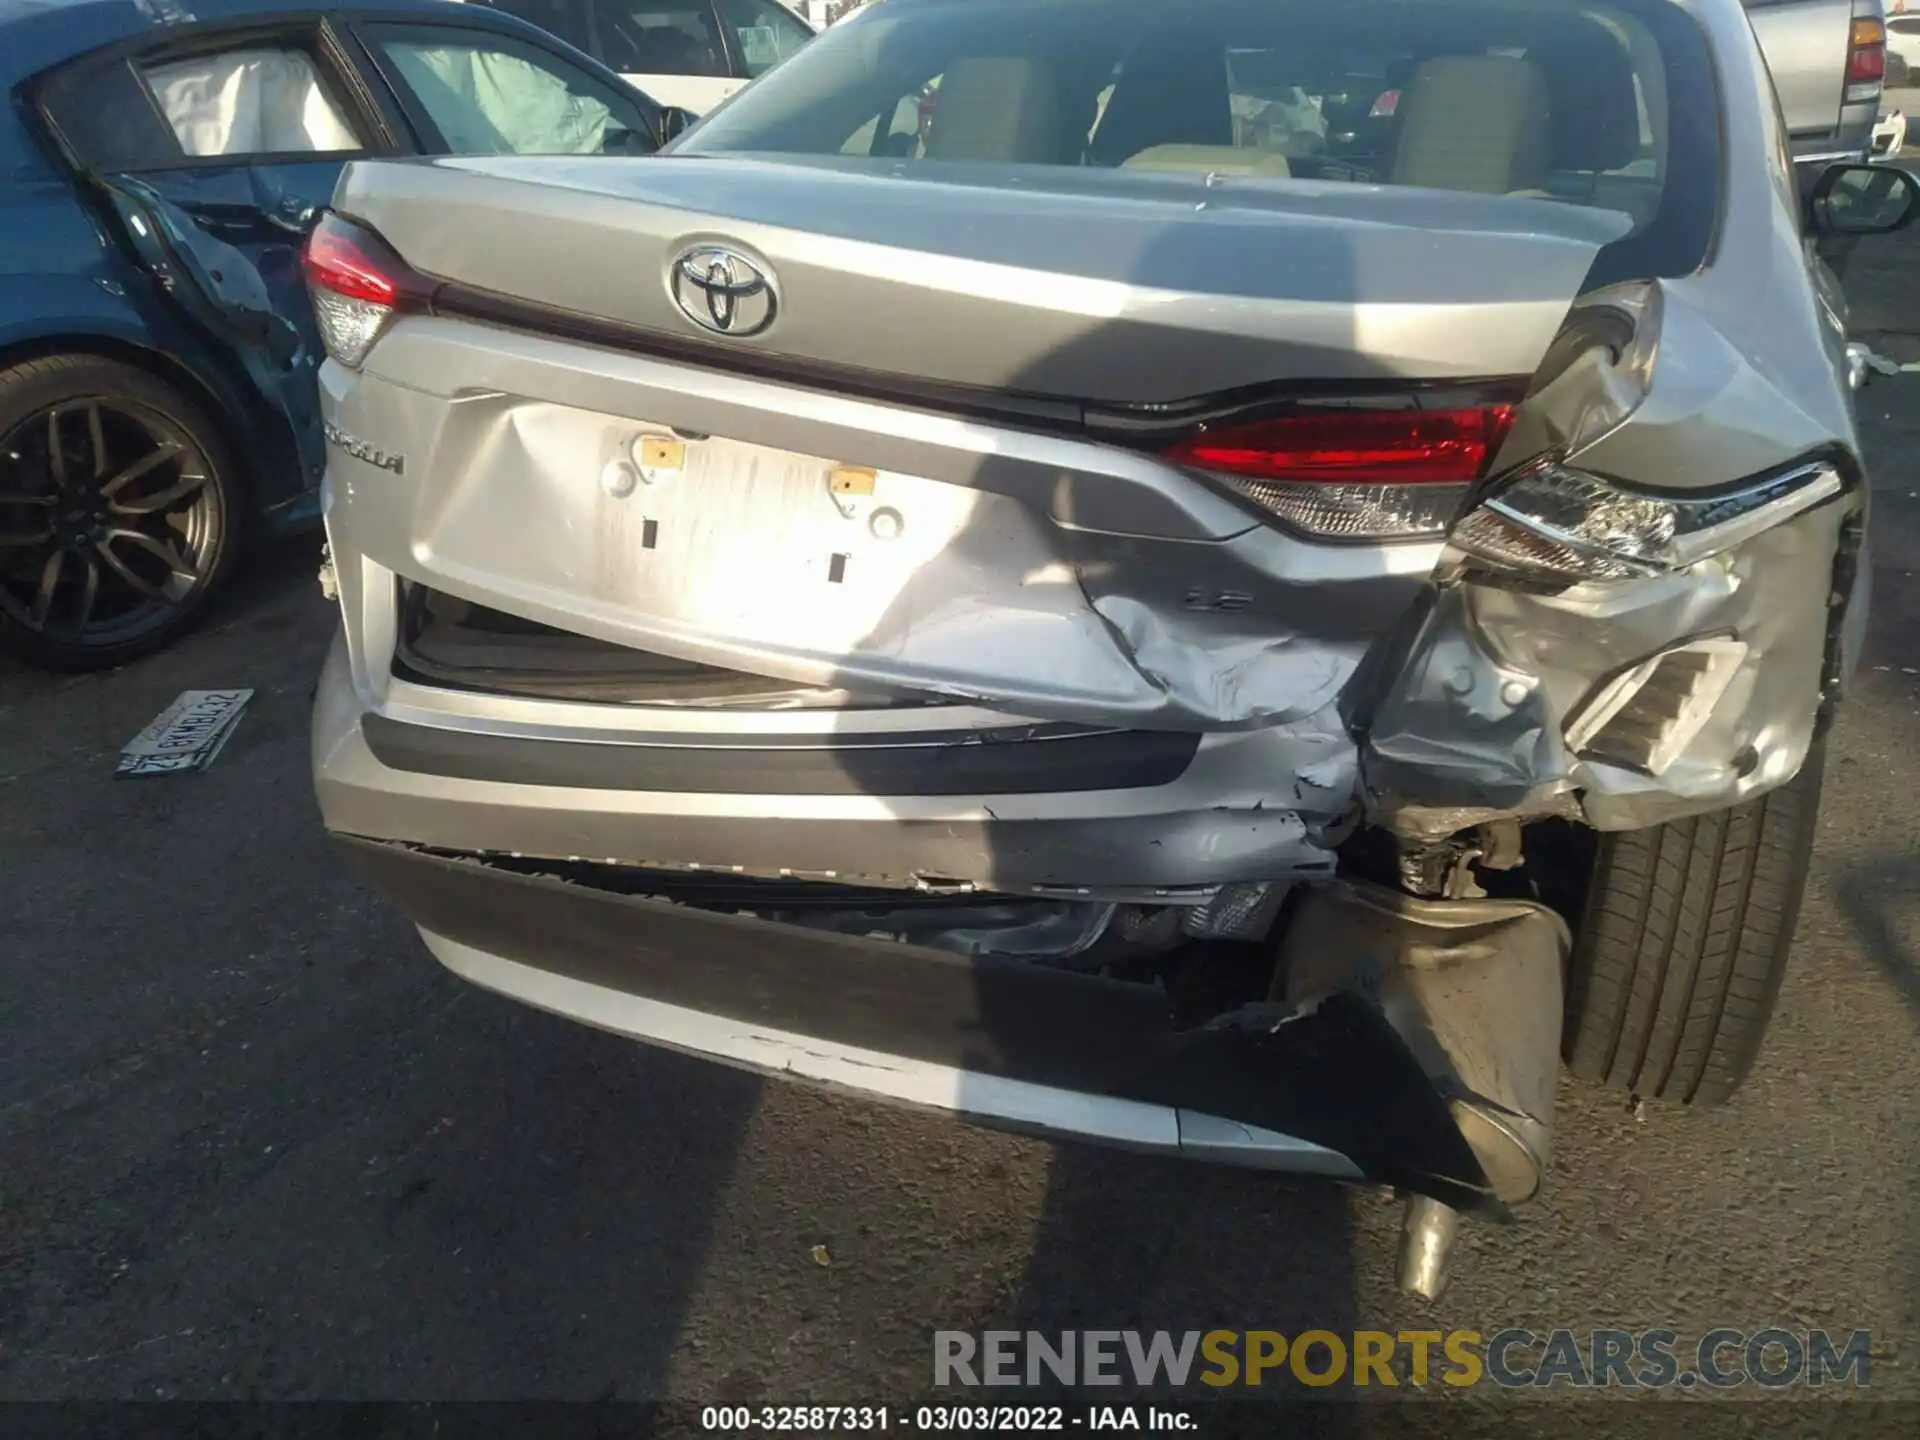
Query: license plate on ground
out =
(187, 735)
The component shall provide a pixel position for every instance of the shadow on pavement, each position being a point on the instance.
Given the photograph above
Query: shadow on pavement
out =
(277, 1152)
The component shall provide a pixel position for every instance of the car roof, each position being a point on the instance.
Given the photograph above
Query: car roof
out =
(36, 34)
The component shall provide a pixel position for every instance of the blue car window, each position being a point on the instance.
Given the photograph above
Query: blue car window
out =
(108, 118)
(491, 94)
(256, 101)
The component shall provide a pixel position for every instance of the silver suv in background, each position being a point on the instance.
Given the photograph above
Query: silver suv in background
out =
(1828, 61)
(1009, 571)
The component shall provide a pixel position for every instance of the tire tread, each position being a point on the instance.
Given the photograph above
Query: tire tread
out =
(1680, 956)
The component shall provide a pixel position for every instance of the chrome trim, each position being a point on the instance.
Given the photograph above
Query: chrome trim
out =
(988, 1099)
(416, 704)
(1698, 531)
(1793, 493)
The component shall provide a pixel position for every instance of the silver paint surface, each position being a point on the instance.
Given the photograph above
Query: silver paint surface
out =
(1021, 575)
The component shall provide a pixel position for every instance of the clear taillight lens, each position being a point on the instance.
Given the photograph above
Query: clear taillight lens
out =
(1559, 523)
(1357, 512)
(349, 326)
(1354, 473)
(357, 285)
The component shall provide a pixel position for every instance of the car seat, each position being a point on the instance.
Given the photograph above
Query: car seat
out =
(1481, 123)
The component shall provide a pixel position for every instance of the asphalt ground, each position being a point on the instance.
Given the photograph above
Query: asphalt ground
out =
(256, 1144)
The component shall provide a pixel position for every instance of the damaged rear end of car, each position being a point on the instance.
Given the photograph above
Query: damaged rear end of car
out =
(986, 580)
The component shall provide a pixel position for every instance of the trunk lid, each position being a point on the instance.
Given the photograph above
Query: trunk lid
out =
(1107, 287)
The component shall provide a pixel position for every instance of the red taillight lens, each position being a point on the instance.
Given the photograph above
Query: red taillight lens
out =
(1354, 473)
(1381, 447)
(357, 285)
(1867, 57)
(1388, 102)
(337, 258)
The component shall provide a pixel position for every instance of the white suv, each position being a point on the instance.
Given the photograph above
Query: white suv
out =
(691, 54)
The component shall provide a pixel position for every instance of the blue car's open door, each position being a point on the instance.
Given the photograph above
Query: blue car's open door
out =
(215, 149)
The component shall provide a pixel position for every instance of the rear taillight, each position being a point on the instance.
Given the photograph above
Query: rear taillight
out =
(1354, 472)
(1552, 521)
(358, 285)
(1866, 59)
(1388, 102)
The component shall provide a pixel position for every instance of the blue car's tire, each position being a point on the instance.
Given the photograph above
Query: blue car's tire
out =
(120, 512)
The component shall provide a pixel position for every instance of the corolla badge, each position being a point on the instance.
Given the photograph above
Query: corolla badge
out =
(361, 450)
(721, 290)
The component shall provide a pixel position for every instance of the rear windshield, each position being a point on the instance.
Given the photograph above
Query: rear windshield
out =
(1609, 105)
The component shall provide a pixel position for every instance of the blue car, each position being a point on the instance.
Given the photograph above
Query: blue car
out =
(160, 166)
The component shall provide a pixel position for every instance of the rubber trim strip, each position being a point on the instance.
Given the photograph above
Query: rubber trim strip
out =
(1033, 760)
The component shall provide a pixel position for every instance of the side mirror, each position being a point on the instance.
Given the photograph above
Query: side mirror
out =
(621, 141)
(674, 122)
(1864, 200)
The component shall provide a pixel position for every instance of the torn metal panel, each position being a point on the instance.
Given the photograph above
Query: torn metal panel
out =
(1334, 1071)
(1681, 406)
(1220, 823)
(1498, 710)
(774, 562)
(1328, 1086)
(747, 556)
(1472, 986)
(225, 245)
(1478, 722)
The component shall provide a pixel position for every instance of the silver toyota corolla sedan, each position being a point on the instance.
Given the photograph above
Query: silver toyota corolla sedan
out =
(1239, 578)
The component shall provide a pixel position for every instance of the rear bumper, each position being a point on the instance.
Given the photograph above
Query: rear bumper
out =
(1334, 1092)
(1154, 814)
(1851, 139)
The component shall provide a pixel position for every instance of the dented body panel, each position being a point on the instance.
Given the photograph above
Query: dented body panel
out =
(1378, 282)
(114, 241)
(741, 605)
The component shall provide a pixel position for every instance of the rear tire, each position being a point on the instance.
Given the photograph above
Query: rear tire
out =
(1679, 958)
(120, 511)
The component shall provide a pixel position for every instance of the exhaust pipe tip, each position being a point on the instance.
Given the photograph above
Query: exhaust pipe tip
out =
(1427, 1234)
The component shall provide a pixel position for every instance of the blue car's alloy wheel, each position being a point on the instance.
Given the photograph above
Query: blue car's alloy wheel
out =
(117, 512)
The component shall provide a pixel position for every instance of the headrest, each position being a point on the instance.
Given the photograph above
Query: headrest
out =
(1002, 107)
(1210, 160)
(1479, 123)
